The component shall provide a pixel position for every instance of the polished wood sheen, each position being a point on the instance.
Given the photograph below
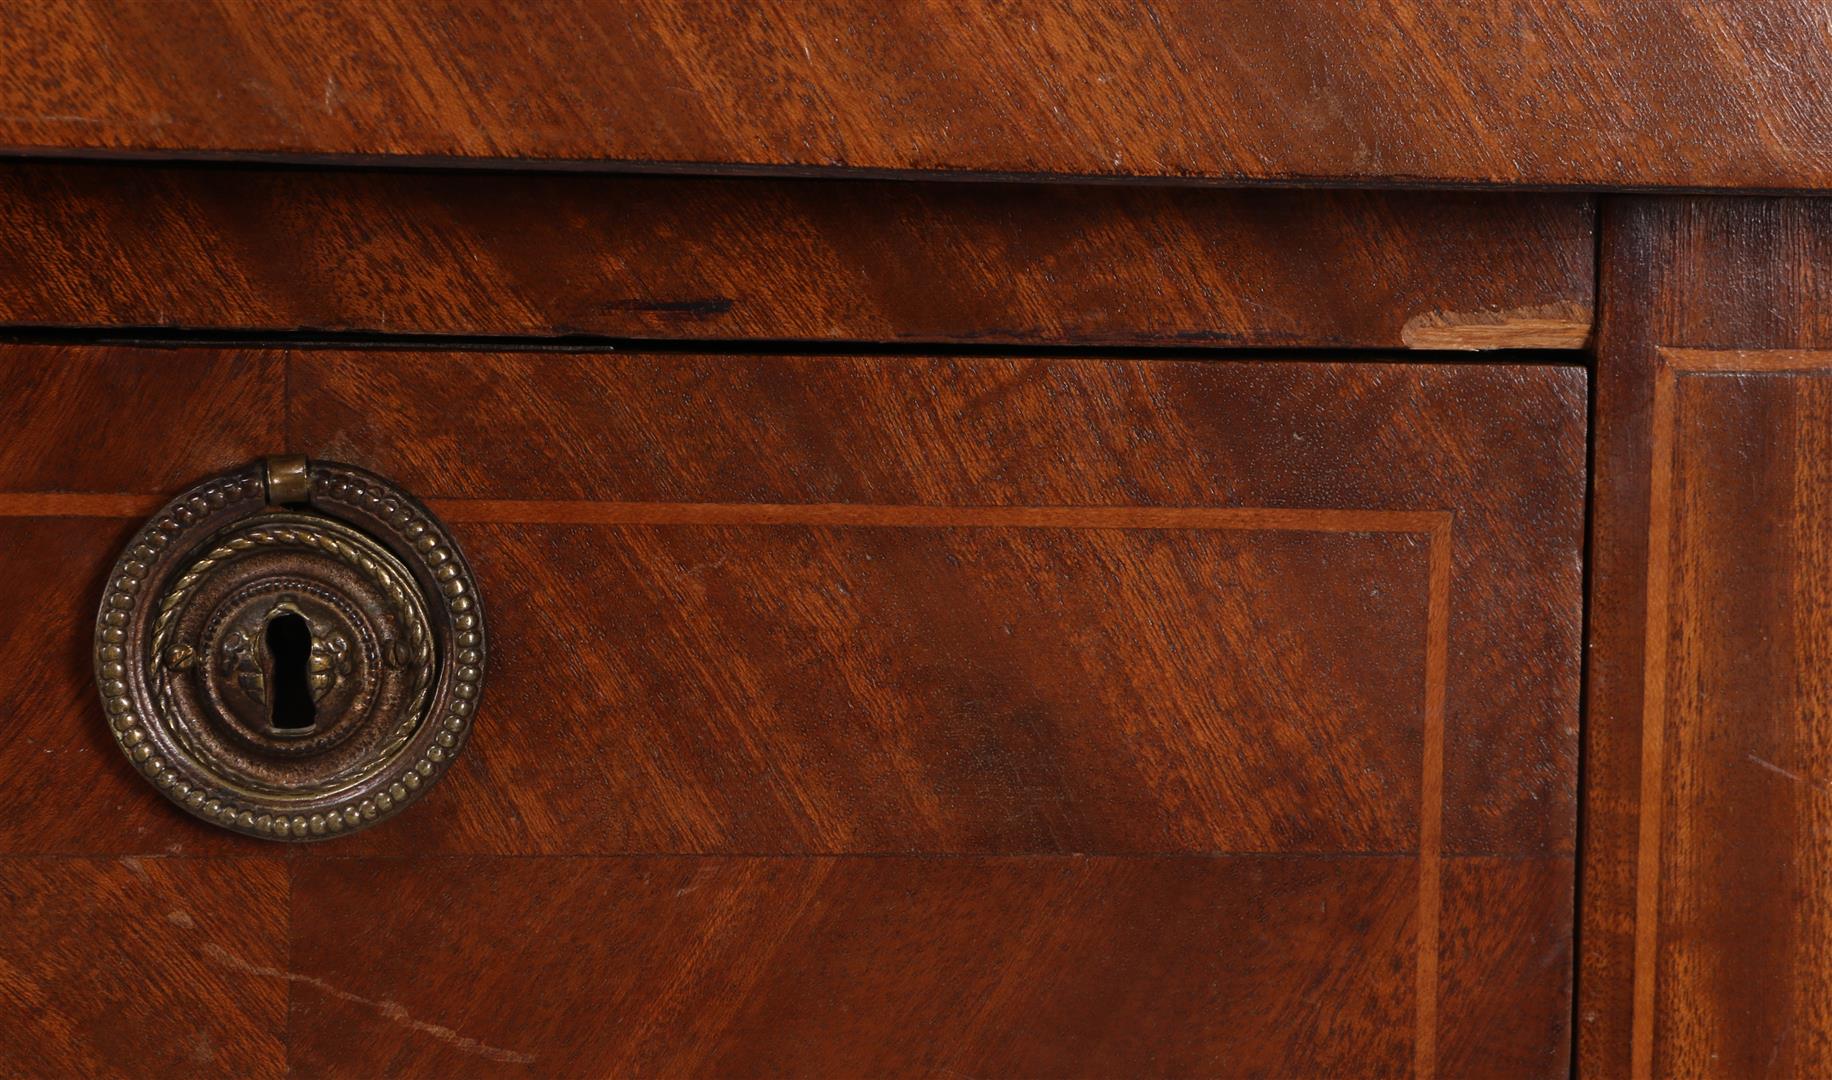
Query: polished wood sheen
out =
(976, 433)
(549, 256)
(949, 687)
(1074, 962)
(78, 419)
(999, 558)
(1533, 92)
(901, 715)
(143, 967)
(1705, 925)
(972, 966)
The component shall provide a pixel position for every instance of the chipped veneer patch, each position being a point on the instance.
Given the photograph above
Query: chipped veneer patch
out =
(1564, 325)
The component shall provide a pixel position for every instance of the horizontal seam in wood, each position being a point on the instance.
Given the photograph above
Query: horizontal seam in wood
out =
(288, 857)
(285, 854)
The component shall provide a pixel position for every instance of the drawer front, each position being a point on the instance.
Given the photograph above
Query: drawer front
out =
(855, 715)
(189, 248)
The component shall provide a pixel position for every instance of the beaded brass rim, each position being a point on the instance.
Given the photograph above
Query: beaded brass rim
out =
(396, 659)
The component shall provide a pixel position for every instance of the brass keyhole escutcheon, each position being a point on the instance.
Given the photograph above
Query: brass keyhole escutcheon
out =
(292, 650)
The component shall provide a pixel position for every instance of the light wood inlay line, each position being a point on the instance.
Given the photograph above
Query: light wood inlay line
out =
(1653, 733)
(1672, 365)
(586, 512)
(1747, 361)
(559, 512)
(1431, 796)
(1435, 525)
(62, 504)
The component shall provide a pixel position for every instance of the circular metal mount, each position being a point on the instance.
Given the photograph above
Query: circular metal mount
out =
(291, 650)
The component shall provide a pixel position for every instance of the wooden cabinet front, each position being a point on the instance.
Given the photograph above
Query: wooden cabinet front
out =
(849, 715)
(1049, 540)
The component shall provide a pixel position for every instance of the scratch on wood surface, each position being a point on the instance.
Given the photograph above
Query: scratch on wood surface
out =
(1564, 325)
(1764, 763)
(389, 1009)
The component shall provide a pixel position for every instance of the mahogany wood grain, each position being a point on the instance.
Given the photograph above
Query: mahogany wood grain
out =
(1534, 92)
(80, 419)
(1065, 433)
(798, 687)
(486, 254)
(573, 432)
(65, 787)
(143, 967)
(97, 434)
(1704, 923)
(1506, 957)
(899, 966)
(1110, 660)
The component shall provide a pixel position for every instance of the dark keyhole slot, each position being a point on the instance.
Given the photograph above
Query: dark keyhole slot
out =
(289, 653)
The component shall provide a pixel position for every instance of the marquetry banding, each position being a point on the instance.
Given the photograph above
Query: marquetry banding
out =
(1671, 365)
(1434, 525)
